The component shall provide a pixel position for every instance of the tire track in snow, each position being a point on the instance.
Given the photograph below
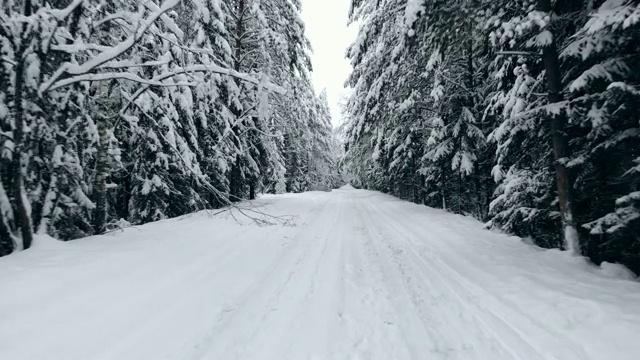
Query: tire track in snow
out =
(494, 319)
(249, 317)
(316, 315)
(204, 270)
(460, 333)
(397, 333)
(369, 318)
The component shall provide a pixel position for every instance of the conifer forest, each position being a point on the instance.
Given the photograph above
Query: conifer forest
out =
(120, 111)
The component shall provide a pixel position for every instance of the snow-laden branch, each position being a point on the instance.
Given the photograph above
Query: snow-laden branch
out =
(109, 54)
(125, 64)
(8, 61)
(107, 58)
(113, 76)
(168, 22)
(186, 48)
(207, 69)
(124, 46)
(79, 46)
(61, 14)
(4, 29)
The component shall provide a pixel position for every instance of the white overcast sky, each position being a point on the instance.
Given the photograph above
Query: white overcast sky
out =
(326, 28)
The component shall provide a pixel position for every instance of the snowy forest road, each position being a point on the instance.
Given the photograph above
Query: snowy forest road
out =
(361, 275)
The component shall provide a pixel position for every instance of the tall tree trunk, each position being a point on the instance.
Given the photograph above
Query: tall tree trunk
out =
(124, 179)
(423, 191)
(444, 193)
(470, 69)
(474, 191)
(6, 237)
(239, 35)
(235, 180)
(559, 140)
(100, 186)
(22, 213)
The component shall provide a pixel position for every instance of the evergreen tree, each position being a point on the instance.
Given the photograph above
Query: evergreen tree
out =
(603, 96)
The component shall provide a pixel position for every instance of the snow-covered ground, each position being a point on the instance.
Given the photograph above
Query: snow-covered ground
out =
(361, 275)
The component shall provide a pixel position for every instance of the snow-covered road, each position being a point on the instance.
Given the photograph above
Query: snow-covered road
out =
(361, 275)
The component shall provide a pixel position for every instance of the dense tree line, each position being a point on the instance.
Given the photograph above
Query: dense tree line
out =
(520, 113)
(122, 111)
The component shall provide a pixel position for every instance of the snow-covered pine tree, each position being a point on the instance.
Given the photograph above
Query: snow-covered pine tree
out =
(297, 137)
(322, 164)
(524, 199)
(376, 59)
(527, 35)
(603, 96)
(456, 144)
(260, 45)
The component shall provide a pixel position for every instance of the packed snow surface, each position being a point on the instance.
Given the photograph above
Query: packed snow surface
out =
(360, 275)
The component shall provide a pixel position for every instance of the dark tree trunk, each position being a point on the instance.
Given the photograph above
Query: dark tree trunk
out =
(124, 180)
(423, 190)
(239, 35)
(235, 183)
(470, 68)
(100, 188)
(252, 191)
(559, 139)
(22, 215)
(235, 178)
(6, 240)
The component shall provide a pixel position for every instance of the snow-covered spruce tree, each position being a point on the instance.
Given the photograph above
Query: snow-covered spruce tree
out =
(456, 150)
(376, 57)
(165, 176)
(529, 34)
(322, 165)
(524, 199)
(207, 25)
(603, 96)
(309, 146)
(297, 140)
